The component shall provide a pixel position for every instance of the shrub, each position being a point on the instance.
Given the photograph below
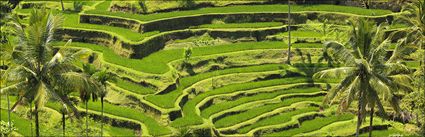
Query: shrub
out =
(143, 7)
(5, 129)
(78, 6)
(188, 4)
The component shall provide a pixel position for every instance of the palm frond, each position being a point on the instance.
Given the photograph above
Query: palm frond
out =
(334, 72)
(339, 52)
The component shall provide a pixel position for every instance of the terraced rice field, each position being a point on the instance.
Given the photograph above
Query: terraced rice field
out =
(235, 82)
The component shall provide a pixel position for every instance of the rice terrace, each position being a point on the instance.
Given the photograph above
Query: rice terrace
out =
(201, 68)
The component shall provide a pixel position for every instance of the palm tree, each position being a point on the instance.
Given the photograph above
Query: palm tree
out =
(39, 71)
(368, 76)
(326, 57)
(89, 70)
(103, 76)
(414, 16)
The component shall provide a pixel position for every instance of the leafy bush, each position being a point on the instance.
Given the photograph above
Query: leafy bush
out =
(143, 6)
(5, 129)
(188, 4)
(78, 6)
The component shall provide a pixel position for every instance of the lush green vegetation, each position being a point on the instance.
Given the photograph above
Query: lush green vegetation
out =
(190, 117)
(235, 9)
(260, 96)
(225, 84)
(153, 126)
(242, 25)
(163, 57)
(168, 100)
(311, 125)
(277, 119)
(133, 87)
(251, 113)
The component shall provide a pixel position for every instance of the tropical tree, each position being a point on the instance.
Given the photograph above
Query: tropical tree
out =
(413, 14)
(368, 75)
(39, 72)
(326, 57)
(102, 77)
(86, 94)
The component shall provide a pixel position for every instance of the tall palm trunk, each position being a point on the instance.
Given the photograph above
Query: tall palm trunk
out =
(32, 130)
(1, 78)
(359, 117)
(101, 122)
(371, 121)
(63, 9)
(63, 123)
(8, 109)
(87, 119)
(289, 33)
(37, 123)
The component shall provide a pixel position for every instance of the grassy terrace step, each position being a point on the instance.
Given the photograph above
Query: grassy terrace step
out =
(302, 33)
(253, 112)
(72, 20)
(23, 125)
(133, 87)
(153, 126)
(384, 133)
(163, 57)
(277, 119)
(110, 130)
(348, 128)
(102, 9)
(311, 125)
(206, 113)
(192, 117)
(241, 25)
(24, 128)
(168, 100)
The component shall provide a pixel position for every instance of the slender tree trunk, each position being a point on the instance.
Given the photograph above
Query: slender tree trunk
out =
(8, 109)
(101, 122)
(87, 119)
(37, 123)
(289, 33)
(359, 117)
(63, 124)
(371, 121)
(1, 84)
(31, 119)
(63, 8)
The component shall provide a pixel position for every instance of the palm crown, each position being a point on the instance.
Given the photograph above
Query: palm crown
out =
(40, 73)
(369, 75)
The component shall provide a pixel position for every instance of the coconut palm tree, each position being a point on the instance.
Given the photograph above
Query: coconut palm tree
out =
(102, 77)
(85, 95)
(368, 75)
(39, 71)
(413, 14)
